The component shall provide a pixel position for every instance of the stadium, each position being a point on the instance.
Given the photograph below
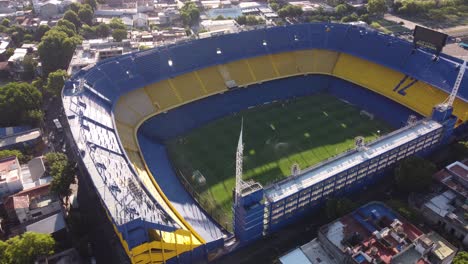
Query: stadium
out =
(156, 131)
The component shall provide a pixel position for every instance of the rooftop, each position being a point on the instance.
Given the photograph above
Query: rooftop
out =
(19, 138)
(374, 233)
(445, 207)
(9, 169)
(342, 162)
(49, 225)
(455, 178)
(310, 253)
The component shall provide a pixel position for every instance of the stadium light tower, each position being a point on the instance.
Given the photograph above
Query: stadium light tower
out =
(239, 161)
(449, 101)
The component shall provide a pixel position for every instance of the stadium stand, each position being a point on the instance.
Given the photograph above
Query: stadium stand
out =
(106, 105)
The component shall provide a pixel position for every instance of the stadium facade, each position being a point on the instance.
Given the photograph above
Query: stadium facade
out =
(121, 110)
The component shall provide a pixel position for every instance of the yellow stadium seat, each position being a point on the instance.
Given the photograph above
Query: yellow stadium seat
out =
(212, 79)
(286, 64)
(240, 72)
(188, 87)
(162, 95)
(263, 68)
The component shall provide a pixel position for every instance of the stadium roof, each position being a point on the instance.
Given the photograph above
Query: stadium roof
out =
(347, 160)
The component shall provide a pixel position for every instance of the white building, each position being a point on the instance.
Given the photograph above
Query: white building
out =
(140, 20)
(10, 176)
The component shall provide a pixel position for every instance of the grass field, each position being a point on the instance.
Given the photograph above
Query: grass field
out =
(303, 131)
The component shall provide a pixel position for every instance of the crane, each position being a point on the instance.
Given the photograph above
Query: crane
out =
(449, 101)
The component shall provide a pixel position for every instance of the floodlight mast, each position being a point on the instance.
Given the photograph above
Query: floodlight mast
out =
(449, 101)
(239, 161)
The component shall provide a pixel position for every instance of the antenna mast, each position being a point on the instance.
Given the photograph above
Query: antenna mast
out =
(239, 161)
(449, 101)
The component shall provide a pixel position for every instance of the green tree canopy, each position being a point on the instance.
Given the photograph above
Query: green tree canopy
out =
(56, 50)
(92, 3)
(376, 7)
(414, 174)
(338, 207)
(249, 20)
(29, 67)
(40, 31)
(8, 153)
(55, 82)
(6, 22)
(71, 16)
(17, 34)
(62, 172)
(88, 32)
(461, 258)
(26, 248)
(341, 9)
(290, 11)
(102, 30)
(67, 24)
(16, 102)
(119, 34)
(189, 13)
(86, 14)
(75, 7)
(116, 23)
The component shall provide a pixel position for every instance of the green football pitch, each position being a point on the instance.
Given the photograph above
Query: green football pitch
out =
(305, 131)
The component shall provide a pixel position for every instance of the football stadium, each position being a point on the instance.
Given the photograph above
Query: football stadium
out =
(198, 148)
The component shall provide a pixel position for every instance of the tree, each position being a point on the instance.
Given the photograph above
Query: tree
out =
(29, 67)
(91, 3)
(88, 32)
(75, 7)
(275, 6)
(56, 50)
(376, 7)
(119, 34)
(55, 82)
(67, 24)
(460, 150)
(461, 258)
(6, 22)
(102, 30)
(86, 14)
(17, 34)
(350, 18)
(8, 153)
(27, 247)
(341, 9)
(249, 20)
(189, 13)
(40, 31)
(338, 207)
(116, 23)
(62, 172)
(16, 100)
(290, 11)
(414, 174)
(71, 16)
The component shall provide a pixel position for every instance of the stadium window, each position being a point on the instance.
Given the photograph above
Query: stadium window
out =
(305, 197)
(278, 204)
